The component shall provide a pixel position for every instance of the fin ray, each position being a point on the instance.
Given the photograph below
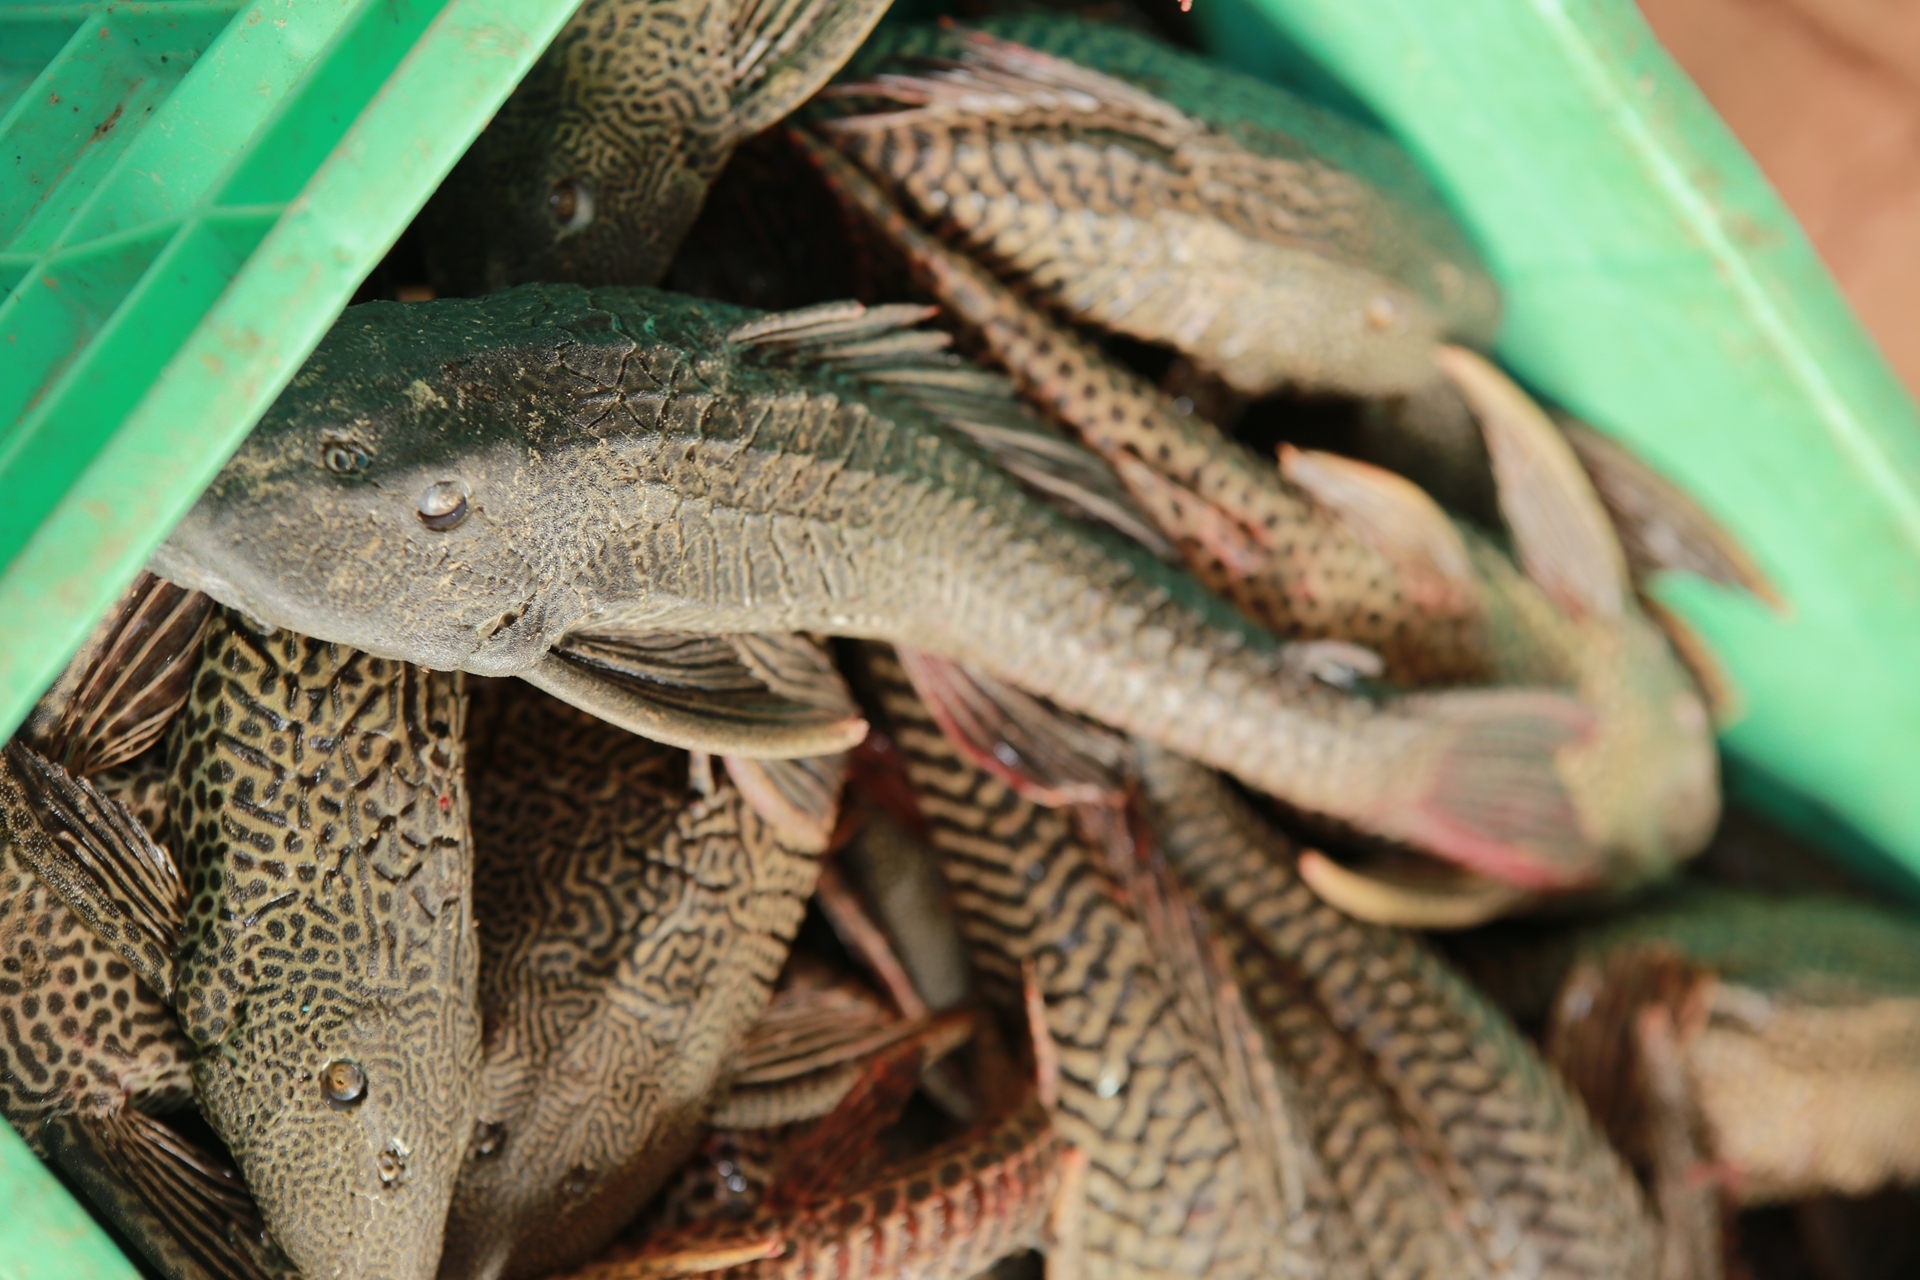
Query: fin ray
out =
(1566, 542)
(97, 857)
(800, 798)
(1396, 518)
(120, 691)
(1661, 527)
(1048, 755)
(704, 692)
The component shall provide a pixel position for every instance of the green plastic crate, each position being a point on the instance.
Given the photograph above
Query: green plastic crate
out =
(1655, 285)
(190, 192)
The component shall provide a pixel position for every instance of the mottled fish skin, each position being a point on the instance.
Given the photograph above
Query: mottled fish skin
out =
(620, 463)
(595, 168)
(631, 930)
(1172, 1189)
(1644, 781)
(1447, 1118)
(1270, 239)
(1794, 1023)
(90, 1053)
(328, 963)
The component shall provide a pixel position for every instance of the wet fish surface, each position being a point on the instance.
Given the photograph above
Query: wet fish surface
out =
(479, 484)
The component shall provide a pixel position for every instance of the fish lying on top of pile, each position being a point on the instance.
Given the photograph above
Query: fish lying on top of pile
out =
(539, 482)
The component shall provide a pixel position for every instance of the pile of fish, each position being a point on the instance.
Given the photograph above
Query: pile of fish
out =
(615, 782)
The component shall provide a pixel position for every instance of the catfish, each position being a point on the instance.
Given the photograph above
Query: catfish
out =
(541, 482)
(596, 166)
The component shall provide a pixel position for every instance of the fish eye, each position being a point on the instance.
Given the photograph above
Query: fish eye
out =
(343, 1084)
(570, 204)
(343, 456)
(444, 505)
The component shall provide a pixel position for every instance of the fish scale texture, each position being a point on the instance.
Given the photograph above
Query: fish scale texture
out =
(1410, 1069)
(1169, 1189)
(631, 931)
(321, 817)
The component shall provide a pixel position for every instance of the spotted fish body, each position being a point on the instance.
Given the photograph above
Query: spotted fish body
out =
(79, 1033)
(628, 460)
(597, 165)
(1173, 200)
(1456, 1135)
(631, 930)
(1173, 1187)
(327, 968)
(1323, 547)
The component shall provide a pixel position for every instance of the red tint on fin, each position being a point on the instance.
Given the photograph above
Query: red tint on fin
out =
(834, 1151)
(1396, 518)
(1189, 516)
(799, 798)
(1494, 802)
(1045, 754)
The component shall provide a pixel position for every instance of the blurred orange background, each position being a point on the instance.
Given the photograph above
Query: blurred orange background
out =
(1826, 95)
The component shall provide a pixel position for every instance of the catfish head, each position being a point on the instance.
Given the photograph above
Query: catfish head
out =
(344, 1136)
(596, 167)
(390, 499)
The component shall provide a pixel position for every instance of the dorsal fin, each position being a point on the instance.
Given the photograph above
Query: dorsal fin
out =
(1050, 756)
(1565, 541)
(880, 345)
(799, 798)
(760, 697)
(1660, 526)
(999, 80)
(97, 857)
(1397, 519)
(784, 50)
(1455, 898)
(117, 695)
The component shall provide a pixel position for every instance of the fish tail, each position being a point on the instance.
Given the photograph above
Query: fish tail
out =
(1492, 799)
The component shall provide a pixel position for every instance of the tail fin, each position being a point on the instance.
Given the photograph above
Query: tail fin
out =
(1493, 801)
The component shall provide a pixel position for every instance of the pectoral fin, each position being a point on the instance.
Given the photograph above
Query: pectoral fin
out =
(183, 1208)
(1050, 756)
(1564, 538)
(799, 798)
(97, 857)
(121, 689)
(1660, 527)
(784, 50)
(1397, 519)
(1452, 899)
(757, 698)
